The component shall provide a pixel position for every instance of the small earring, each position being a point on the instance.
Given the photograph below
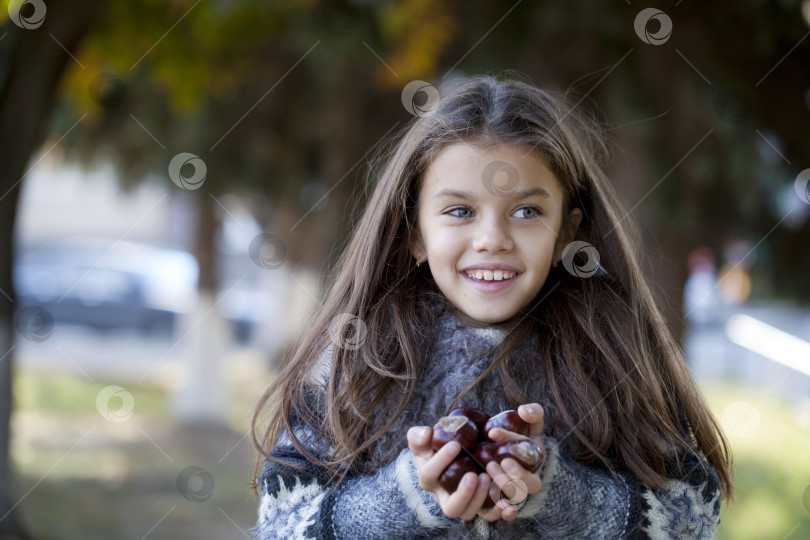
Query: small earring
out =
(554, 264)
(418, 263)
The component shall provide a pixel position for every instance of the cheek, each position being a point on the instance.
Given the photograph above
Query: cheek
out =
(444, 238)
(538, 247)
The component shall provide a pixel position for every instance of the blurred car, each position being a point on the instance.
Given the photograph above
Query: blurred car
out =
(105, 285)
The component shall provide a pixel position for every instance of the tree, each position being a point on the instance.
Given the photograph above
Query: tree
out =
(33, 60)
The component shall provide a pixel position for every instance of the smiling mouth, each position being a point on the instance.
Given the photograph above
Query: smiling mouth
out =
(491, 276)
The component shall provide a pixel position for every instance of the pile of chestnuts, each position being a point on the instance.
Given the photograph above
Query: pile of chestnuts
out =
(470, 428)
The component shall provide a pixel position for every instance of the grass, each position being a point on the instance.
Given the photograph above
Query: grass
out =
(770, 441)
(81, 476)
(84, 477)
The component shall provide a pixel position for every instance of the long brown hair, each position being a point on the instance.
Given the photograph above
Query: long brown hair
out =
(614, 374)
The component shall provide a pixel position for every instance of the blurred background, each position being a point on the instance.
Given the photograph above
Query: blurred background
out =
(176, 178)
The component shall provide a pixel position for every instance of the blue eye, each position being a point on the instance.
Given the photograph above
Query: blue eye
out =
(462, 208)
(534, 209)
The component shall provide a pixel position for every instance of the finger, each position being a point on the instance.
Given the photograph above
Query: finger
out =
(533, 414)
(500, 435)
(508, 511)
(419, 438)
(512, 487)
(433, 467)
(491, 514)
(456, 504)
(528, 479)
(478, 498)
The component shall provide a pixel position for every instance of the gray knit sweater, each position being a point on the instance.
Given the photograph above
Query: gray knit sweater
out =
(576, 501)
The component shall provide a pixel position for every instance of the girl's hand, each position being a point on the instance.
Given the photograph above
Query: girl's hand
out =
(466, 501)
(513, 483)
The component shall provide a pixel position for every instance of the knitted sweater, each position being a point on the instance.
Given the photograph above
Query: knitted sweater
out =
(576, 500)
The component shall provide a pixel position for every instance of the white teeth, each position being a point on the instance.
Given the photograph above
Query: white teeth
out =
(489, 275)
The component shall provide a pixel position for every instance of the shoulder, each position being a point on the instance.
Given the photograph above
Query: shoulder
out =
(319, 374)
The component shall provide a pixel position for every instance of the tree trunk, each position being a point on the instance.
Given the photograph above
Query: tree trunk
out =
(31, 65)
(203, 397)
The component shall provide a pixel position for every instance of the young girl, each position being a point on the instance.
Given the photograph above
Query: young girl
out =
(493, 268)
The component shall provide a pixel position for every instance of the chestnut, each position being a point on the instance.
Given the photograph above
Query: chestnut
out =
(509, 420)
(485, 452)
(488, 502)
(454, 472)
(526, 452)
(476, 416)
(455, 428)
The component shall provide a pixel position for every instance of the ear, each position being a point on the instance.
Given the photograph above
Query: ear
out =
(417, 247)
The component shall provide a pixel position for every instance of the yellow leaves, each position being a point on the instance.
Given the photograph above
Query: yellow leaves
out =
(419, 31)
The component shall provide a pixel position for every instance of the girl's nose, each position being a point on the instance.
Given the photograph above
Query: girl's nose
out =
(493, 236)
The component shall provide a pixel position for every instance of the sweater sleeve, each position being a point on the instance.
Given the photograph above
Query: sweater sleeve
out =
(580, 501)
(299, 503)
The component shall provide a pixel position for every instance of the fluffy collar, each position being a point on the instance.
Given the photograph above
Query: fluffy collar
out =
(456, 355)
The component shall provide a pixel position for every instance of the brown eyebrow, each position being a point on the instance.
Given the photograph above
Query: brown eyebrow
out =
(455, 194)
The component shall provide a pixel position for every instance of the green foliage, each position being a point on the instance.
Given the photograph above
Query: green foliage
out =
(771, 470)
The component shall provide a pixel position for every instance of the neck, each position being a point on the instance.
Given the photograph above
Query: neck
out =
(505, 325)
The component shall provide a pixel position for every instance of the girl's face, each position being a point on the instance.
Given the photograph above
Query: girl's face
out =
(489, 226)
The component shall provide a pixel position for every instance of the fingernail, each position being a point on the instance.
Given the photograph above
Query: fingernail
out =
(421, 433)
